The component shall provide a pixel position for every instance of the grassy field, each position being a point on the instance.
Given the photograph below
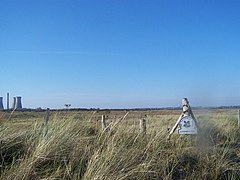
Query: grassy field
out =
(73, 146)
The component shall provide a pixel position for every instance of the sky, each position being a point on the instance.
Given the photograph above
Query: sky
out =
(120, 53)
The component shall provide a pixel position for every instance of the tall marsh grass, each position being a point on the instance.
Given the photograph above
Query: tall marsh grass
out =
(71, 147)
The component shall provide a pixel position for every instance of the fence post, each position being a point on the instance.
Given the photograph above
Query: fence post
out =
(46, 118)
(104, 124)
(239, 118)
(143, 125)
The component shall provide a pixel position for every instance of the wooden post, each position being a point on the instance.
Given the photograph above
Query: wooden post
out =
(174, 127)
(46, 118)
(104, 124)
(143, 126)
(238, 118)
(185, 107)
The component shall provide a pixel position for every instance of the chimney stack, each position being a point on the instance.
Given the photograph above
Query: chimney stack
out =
(8, 101)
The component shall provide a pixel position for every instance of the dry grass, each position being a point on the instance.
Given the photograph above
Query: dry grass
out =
(73, 146)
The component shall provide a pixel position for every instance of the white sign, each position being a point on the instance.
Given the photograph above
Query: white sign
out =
(187, 126)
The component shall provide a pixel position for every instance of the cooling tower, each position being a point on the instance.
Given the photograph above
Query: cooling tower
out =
(18, 103)
(1, 103)
(14, 103)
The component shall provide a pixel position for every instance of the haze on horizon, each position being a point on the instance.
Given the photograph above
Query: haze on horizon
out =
(120, 54)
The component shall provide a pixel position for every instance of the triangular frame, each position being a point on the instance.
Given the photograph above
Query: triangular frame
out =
(186, 111)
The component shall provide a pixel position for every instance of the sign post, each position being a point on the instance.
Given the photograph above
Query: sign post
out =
(186, 122)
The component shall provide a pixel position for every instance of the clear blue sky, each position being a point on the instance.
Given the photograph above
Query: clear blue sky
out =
(120, 53)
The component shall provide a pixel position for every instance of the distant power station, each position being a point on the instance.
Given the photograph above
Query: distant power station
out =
(16, 105)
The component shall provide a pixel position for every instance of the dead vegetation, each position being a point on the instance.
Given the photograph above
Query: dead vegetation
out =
(73, 146)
